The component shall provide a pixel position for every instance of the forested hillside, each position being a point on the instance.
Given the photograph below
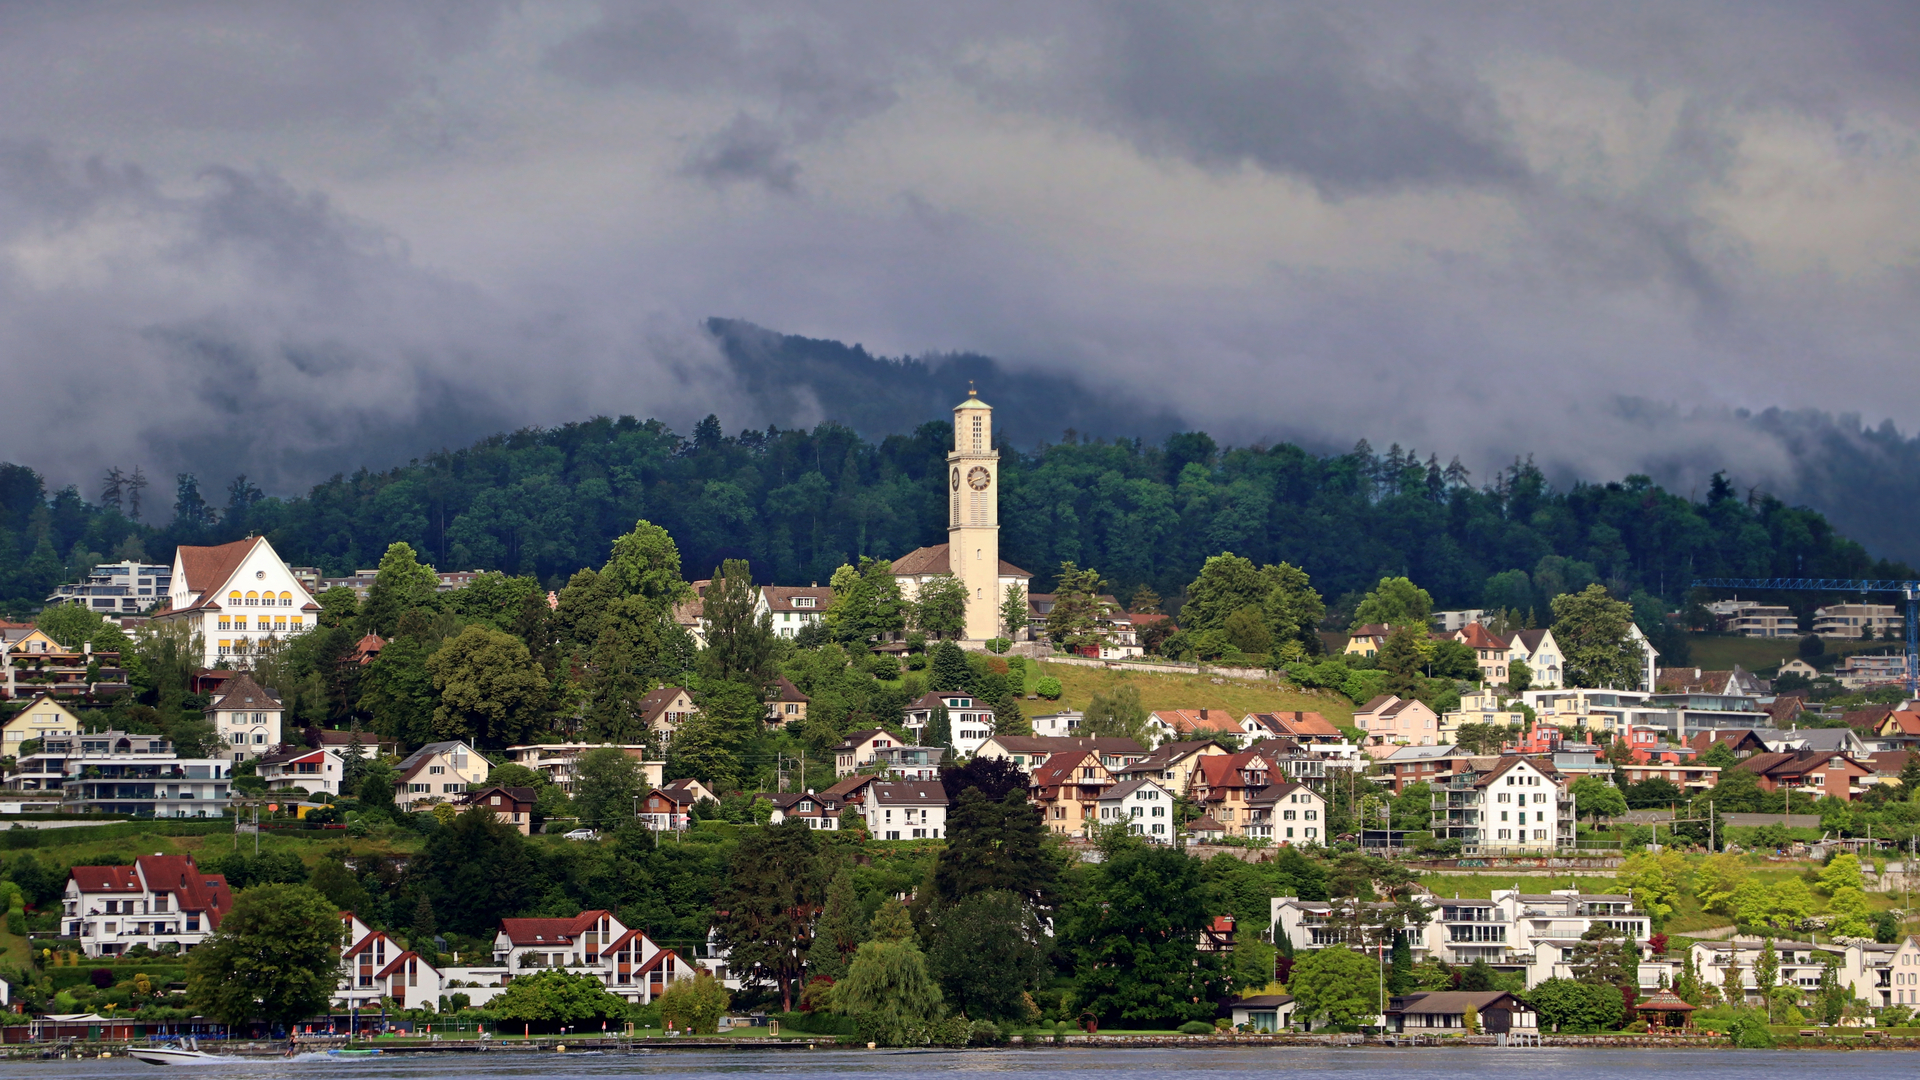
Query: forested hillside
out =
(799, 504)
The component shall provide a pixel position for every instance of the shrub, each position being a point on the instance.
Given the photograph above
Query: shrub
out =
(1196, 1027)
(1048, 687)
(985, 1033)
(101, 978)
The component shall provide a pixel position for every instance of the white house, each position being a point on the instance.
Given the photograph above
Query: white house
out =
(792, 608)
(1145, 806)
(1263, 1012)
(1513, 805)
(288, 767)
(1287, 813)
(247, 717)
(237, 597)
(1541, 654)
(437, 772)
(856, 751)
(160, 900)
(969, 721)
(906, 810)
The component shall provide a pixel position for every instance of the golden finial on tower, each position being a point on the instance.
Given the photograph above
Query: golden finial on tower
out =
(971, 392)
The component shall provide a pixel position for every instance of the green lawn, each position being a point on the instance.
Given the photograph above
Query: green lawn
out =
(1762, 656)
(1236, 697)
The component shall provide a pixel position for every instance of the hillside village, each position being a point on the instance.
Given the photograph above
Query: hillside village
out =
(488, 790)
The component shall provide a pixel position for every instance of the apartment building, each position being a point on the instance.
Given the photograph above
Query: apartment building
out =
(1514, 805)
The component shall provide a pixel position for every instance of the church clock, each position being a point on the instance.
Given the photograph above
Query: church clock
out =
(978, 478)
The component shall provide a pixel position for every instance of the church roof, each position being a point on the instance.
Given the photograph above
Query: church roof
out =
(974, 402)
(935, 560)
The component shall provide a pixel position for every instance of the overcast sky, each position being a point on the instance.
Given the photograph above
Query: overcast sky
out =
(297, 238)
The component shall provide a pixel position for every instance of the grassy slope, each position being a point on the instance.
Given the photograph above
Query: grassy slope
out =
(1162, 691)
(1764, 655)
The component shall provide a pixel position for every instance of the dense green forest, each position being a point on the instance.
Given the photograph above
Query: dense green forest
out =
(798, 504)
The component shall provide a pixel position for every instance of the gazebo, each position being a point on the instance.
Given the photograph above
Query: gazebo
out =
(1665, 1009)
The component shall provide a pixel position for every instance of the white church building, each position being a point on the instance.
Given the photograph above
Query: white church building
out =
(237, 597)
(972, 550)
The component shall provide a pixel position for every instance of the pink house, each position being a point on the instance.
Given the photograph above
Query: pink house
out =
(1392, 722)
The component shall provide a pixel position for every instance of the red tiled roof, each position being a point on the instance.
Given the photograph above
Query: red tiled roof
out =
(1475, 636)
(549, 931)
(105, 878)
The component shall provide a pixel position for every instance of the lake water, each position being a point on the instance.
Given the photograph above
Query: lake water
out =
(1261, 1064)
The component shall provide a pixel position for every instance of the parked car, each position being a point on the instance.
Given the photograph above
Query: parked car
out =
(583, 834)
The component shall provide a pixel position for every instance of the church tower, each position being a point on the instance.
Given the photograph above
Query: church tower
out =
(973, 517)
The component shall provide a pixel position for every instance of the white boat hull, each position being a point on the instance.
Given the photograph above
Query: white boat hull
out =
(165, 1056)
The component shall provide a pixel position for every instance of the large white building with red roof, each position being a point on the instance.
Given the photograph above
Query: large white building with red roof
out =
(237, 597)
(159, 900)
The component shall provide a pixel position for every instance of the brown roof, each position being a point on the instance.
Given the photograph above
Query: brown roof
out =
(1793, 763)
(1475, 636)
(1888, 762)
(855, 739)
(935, 560)
(1378, 630)
(1205, 823)
(105, 878)
(1298, 723)
(517, 794)
(910, 792)
(654, 705)
(207, 568)
(780, 597)
(1681, 680)
(1903, 723)
(1868, 717)
(1448, 1002)
(1059, 769)
(1529, 639)
(850, 788)
(244, 693)
(1059, 744)
(784, 690)
(1185, 721)
(548, 931)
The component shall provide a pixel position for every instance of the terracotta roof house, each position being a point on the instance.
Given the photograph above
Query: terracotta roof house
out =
(367, 650)
(159, 899)
(1812, 773)
(1067, 790)
(238, 597)
(1306, 728)
(1489, 650)
(1184, 724)
(286, 768)
(792, 608)
(669, 808)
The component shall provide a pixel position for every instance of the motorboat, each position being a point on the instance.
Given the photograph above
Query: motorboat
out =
(180, 1052)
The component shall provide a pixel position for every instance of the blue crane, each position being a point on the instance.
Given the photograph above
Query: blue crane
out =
(1843, 585)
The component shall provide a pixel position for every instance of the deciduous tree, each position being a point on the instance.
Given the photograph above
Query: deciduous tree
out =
(491, 691)
(940, 609)
(275, 957)
(1593, 631)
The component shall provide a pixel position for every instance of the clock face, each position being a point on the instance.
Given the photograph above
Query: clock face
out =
(978, 478)
(956, 479)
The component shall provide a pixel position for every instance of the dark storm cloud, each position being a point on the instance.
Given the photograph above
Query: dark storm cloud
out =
(1288, 89)
(310, 237)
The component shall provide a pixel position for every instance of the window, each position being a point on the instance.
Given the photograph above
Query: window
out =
(436, 770)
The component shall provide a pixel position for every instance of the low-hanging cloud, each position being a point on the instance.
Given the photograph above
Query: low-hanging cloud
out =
(292, 240)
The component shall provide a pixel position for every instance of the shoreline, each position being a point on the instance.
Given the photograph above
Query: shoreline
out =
(261, 1051)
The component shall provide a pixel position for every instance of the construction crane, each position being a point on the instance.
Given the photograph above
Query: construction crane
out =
(1841, 585)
